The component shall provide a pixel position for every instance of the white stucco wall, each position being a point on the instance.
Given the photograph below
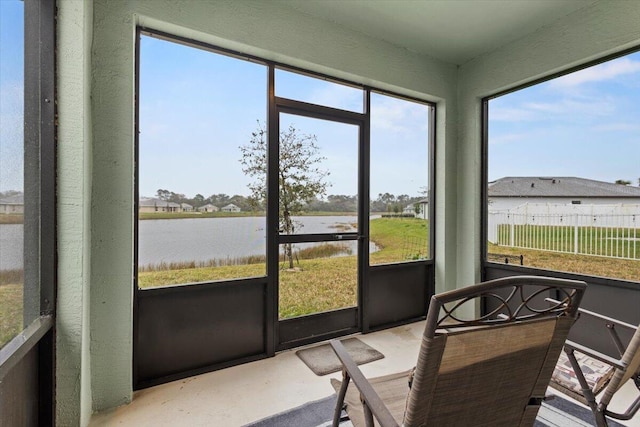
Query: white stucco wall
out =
(603, 28)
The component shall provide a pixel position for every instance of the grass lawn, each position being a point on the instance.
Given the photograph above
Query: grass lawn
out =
(322, 282)
(399, 239)
(10, 312)
(624, 269)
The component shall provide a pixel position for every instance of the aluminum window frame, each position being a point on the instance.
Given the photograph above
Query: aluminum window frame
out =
(484, 196)
(40, 202)
(279, 104)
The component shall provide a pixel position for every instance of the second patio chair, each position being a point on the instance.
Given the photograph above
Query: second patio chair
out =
(487, 370)
(583, 373)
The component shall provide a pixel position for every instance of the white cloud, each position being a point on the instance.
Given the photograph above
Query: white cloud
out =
(508, 138)
(394, 115)
(615, 127)
(601, 72)
(512, 114)
(567, 106)
(338, 96)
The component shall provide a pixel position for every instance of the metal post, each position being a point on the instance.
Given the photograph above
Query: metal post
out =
(575, 234)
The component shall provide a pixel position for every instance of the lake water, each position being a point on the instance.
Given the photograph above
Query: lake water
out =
(194, 239)
(11, 246)
(202, 239)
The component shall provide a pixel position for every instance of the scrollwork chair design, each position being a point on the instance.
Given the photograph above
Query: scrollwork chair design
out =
(486, 370)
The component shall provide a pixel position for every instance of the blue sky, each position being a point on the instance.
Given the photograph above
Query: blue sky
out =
(197, 108)
(11, 95)
(584, 124)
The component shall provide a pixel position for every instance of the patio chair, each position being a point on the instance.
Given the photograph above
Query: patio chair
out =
(584, 373)
(487, 370)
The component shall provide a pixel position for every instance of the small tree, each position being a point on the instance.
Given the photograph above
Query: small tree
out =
(622, 182)
(163, 194)
(300, 177)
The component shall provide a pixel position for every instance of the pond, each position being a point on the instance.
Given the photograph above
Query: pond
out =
(202, 239)
(11, 246)
(194, 239)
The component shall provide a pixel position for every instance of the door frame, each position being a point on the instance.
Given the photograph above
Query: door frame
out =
(389, 294)
(297, 331)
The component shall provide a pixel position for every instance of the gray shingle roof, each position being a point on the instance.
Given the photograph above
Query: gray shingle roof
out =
(564, 186)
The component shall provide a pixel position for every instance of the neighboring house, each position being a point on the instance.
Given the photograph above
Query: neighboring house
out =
(230, 208)
(423, 209)
(12, 204)
(150, 205)
(510, 192)
(186, 207)
(208, 208)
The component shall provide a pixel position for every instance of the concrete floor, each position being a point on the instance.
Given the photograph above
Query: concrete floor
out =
(249, 392)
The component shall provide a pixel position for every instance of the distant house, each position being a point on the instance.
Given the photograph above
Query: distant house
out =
(186, 207)
(423, 209)
(208, 208)
(12, 204)
(230, 208)
(409, 209)
(150, 205)
(510, 192)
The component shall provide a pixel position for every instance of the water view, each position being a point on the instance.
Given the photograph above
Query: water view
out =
(203, 239)
(194, 239)
(11, 252)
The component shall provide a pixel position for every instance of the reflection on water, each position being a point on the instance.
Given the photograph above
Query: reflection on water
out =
(203, 239)
(195, 239)
(11, 244)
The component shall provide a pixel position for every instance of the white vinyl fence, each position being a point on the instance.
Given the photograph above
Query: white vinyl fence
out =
(608, 231)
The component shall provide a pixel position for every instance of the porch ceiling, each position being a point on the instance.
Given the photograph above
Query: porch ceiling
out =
(453, 31)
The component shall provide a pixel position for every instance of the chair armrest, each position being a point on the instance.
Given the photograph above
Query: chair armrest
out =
(600, 316)
(367, 393)
(616, 363)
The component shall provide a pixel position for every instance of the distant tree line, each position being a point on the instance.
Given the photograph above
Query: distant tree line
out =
(385, 202)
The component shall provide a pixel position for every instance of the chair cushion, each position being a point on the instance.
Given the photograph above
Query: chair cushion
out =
(596, 373)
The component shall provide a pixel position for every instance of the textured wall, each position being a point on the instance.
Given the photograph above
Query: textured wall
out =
(73, 369)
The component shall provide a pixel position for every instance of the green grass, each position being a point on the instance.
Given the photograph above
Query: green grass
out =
(323, 281)
(320, 281)
(625, 269)
(399, 239)
(10, 312)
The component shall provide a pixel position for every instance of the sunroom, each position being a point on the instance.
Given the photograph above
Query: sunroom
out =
(397, 119)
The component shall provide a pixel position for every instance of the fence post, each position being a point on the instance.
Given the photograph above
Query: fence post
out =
(511, 230)
(575, 235)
